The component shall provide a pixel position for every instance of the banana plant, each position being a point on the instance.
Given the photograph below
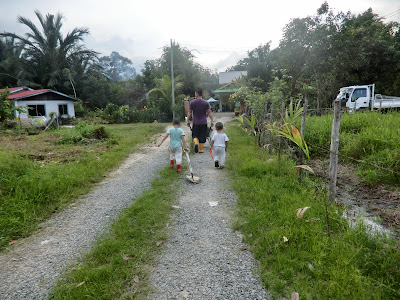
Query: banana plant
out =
(251, 123)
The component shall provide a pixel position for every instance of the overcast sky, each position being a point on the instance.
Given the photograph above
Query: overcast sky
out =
(220, 32)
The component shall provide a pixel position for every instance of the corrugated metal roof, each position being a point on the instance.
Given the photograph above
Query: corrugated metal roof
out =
(24, 92)
(16, 89)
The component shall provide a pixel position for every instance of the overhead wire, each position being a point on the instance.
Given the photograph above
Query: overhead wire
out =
(393, 16)
(390, 14)
(393, 12)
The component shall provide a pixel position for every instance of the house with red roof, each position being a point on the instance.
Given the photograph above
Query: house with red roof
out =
(41, 102)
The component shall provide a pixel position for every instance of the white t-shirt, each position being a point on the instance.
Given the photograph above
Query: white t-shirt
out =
(219, 139)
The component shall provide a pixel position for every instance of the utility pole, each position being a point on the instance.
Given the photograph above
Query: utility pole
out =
(172, 82)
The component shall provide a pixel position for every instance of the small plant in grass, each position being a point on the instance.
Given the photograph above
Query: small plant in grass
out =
(246, 123)
(287, 130)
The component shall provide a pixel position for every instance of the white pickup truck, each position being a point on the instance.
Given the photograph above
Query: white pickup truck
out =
(363, 96)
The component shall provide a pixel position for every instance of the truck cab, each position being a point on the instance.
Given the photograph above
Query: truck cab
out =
(356, 97)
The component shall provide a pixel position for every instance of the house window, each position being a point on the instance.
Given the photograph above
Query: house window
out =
(63, 109)
(36, 110)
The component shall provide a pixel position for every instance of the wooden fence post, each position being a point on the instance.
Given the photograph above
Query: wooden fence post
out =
(303, 131)
(270, 137)
(334, 150)
(281, 138)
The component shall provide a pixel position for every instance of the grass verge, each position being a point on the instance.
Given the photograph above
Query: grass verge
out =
(318, 256)
(40, 174)
(118, 265)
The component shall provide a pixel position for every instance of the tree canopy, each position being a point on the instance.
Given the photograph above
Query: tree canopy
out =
(45, 52)
(117, 67)
(327, 51)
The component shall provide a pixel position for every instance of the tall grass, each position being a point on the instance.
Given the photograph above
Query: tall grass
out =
(322, 257)
(31, 189)
(369, 136)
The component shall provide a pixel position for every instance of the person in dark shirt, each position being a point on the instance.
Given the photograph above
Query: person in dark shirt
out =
(200, 108)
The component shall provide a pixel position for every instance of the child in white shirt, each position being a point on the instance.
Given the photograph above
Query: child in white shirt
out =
(219, 144)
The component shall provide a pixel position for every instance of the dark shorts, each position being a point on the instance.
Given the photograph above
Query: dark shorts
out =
(200, 132)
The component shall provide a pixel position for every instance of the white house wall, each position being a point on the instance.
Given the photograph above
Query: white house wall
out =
(49, 106)
(227, 77)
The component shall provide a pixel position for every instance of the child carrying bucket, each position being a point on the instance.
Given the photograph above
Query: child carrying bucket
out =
(177, 138)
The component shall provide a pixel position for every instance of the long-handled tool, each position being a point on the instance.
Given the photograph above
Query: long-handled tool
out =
(191, 178)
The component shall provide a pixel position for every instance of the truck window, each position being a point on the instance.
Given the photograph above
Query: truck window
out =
(358, 93)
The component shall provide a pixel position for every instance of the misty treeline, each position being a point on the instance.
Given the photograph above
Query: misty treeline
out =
(44, 58)
(319, 54)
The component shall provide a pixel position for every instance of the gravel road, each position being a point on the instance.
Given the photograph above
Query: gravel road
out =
(204, 258)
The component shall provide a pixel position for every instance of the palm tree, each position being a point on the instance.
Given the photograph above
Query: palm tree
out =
(47, 53)
(10, 55)
(162, 94)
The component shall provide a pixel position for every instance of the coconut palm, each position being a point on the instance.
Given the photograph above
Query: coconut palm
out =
(10, 55)
(161, 95)
(47, 52)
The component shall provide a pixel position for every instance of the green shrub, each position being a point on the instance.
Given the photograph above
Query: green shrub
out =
(81, 132)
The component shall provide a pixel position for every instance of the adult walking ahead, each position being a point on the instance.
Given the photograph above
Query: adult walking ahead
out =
(200, 108)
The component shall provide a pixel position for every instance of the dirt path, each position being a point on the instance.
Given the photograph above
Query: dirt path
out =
(204, 258)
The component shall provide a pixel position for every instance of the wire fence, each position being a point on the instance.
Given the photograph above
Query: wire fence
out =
(356, 160)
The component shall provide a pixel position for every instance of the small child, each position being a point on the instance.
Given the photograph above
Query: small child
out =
(219, 144)
(177, 138)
